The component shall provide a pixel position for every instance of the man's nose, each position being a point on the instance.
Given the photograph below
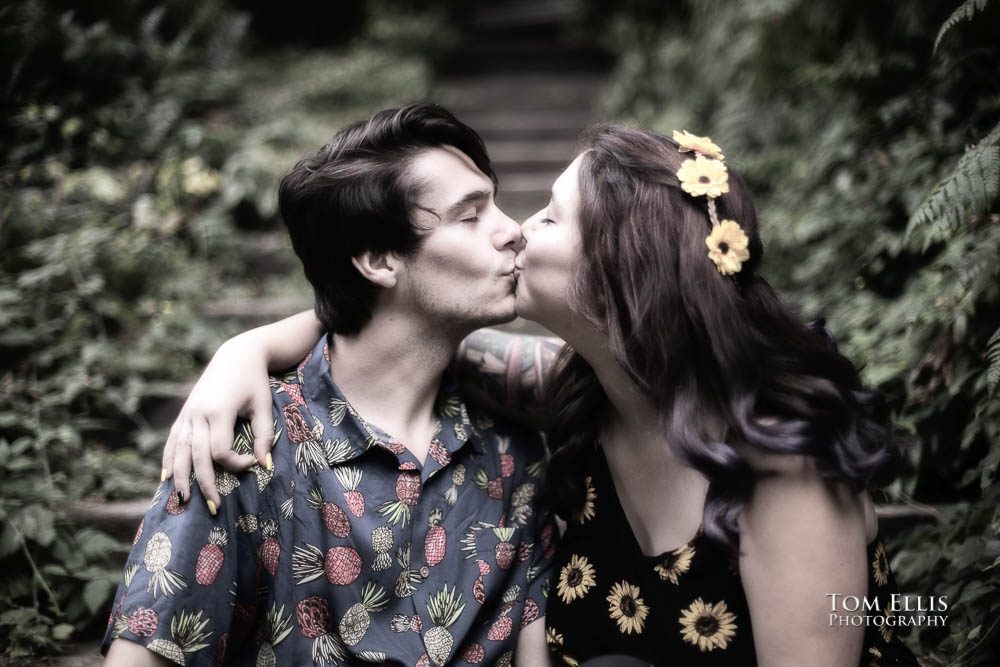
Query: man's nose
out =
(508, 233)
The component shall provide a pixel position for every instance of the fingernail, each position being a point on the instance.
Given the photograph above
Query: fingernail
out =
(163, 474)
(268, 462)
(211, 507)
(180, 498)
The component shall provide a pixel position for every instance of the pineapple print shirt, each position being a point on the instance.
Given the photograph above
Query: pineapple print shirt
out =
(683, 607)
(351, 552)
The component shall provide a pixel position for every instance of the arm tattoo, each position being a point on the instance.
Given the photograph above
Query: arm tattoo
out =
(507, 371)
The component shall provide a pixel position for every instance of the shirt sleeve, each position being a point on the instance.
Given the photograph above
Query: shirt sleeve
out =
(540, 566)
(189, 589)
(540, 537)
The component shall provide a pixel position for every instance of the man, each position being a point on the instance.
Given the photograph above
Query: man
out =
(353, 546)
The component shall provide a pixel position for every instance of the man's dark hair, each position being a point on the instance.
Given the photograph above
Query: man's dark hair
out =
(356, 195)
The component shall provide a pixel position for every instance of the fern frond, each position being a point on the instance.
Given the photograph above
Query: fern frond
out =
(965, 12)
(969, 190)
(979, 267)
(993, 358)
(992, 138)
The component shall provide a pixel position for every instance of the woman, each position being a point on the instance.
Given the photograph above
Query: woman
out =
(712, 456)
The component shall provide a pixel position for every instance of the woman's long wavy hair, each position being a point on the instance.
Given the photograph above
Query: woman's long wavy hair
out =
(700, 344)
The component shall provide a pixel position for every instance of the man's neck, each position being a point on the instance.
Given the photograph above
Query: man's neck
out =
(391, 373)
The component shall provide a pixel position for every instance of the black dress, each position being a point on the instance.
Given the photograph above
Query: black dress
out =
(684, 607)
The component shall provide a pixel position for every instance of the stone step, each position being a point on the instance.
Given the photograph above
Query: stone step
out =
(531, 155)
(542, 55)
(121, 518)
(162, 402)
(537, 181)
(896, 518)
(268, 253)
(526, 13)
(79, 654)
(514, 93)
(521, 205)
(500, 124)
(257, 309)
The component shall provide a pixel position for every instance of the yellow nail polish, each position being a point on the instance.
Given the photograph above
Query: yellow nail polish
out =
(269, 462)
(211, 507)
(163, 475)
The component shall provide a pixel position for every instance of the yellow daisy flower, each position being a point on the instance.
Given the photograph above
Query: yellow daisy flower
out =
(703, 145)
(728, 247)
(703, 176)
(676, 563)
(707, 626)
(880, 566)
(627, 608)
(575, 579)
(572, 662)
(552, 637)
(874, 657)
(586, 513)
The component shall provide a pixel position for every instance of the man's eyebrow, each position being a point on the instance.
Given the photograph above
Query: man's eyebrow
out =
(475, 197)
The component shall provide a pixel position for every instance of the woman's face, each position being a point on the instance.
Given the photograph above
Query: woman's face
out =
(552, 250)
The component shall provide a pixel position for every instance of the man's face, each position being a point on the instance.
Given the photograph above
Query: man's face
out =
(462, 277)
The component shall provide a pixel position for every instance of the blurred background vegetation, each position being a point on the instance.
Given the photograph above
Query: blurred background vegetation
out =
(142, 142)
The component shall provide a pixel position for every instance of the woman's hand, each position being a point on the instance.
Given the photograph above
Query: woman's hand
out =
(234, 384)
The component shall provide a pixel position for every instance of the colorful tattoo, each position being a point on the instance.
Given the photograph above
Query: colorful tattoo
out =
(507, 370)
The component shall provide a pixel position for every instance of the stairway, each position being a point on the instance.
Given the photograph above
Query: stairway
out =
(519, 81)
(529, 85)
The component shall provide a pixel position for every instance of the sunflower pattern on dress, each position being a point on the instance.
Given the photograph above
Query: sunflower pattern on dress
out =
(576, 578)
(683, 607)
(708, 626)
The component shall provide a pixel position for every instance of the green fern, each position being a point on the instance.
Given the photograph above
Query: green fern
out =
(969, 190)
(965, 12)
(993, 357)
(979, 266)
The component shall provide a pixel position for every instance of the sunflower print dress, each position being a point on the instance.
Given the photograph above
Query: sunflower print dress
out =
(683, 607)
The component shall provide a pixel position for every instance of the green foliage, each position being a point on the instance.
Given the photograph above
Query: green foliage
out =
(852, 134)
(139, 145)
(968, 191)
(965, 12)
(993, 358)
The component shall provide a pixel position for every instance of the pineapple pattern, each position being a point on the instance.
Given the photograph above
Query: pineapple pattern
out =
(277, 627)
(443, 608)
(188, 634)
(351, 550)
(357, 620)
(211, 556)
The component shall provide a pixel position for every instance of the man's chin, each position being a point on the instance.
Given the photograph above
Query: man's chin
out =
(502, 318)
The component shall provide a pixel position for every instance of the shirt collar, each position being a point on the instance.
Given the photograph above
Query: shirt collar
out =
(330, 407)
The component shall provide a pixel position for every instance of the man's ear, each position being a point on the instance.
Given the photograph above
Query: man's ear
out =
(381, 268)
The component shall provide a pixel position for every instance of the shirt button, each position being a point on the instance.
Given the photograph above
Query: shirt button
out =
(425, 572)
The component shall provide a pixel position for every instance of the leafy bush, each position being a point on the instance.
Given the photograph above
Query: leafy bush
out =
(851, 121)
(139, 145)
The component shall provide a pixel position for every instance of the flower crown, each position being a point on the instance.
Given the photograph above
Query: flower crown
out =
(706, 176)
